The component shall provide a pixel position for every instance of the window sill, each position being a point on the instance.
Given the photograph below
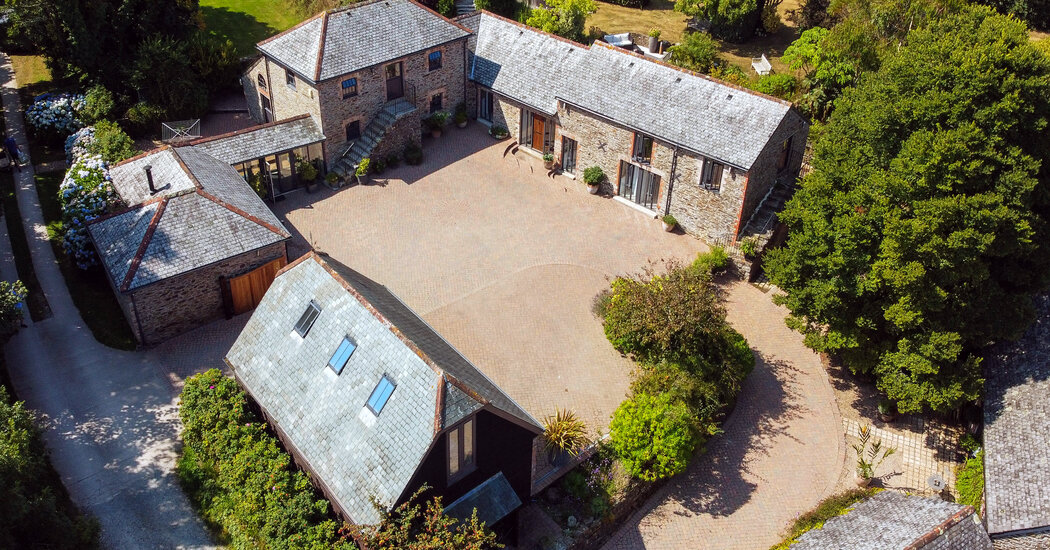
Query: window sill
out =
(636, 206)
(460, 476)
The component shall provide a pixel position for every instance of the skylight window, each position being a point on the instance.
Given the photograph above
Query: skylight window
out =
(307, 319)
(380, 395)
(342, 355)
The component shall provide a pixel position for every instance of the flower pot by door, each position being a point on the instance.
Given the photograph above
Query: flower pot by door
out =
(592, 189)
(668, 226)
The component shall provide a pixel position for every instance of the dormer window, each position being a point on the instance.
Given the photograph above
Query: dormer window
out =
(380, 395)
(342, 355)
(306, 320)
(289, 77)
(643, 148)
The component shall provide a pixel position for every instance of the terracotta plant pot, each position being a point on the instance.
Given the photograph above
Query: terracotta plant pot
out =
(462, 124)
(669, 227)
(548, 164)
(435, 134)
(592, 189)
(861, 481)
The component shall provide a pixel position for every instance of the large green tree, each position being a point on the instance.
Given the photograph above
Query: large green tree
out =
(565, 18)
(921, 234)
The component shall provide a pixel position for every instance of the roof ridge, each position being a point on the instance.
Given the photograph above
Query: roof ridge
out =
(320, 47)
(142, 155)
(186, 169)
(287, 31)
(439, 406)
(703, 76)
(146, 239)
(533, 29)
(432, 12)
(242, 213)
(210, 139)
(126, 209)
(939, 530)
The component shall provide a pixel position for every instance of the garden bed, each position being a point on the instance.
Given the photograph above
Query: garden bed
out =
(89, 288)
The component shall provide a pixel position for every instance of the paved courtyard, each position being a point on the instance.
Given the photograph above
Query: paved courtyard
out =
(499, 258)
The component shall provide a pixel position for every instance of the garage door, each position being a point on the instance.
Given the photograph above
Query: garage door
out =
(246, 291)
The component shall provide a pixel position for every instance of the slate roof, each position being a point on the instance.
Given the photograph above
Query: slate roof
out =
(203, 213)
(1017, 429)
(261, 141)
(890, 520)
(355, 453)
(364, 34)
(697, 112)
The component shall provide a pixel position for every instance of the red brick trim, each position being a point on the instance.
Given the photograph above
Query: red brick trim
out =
(743, 201)
(440, 404)
(124, 286)
(693, 73)
(941, 529)
(142, 155)
(131, 208)
(320, 47)
(248, 130)
(295, 262)
(242, 213)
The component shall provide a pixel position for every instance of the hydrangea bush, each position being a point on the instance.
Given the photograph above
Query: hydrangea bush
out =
(56, 114)
(78, 142)
(85, 194)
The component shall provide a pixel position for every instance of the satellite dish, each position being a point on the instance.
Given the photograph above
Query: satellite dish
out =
(936, 482)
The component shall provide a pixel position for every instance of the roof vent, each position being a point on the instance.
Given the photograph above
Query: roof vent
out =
(728, 97)
(153, 189)
(678, 79)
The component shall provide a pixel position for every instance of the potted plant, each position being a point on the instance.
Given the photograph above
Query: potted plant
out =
(378, 166)
(499, 131)
(436, 122)
(461, 115)
(413, 154)
(563, 432)
(669, 222)
(362, 170)
(332, 179)
(887, 410)
(749, 247)
(869, 457)
(593, 177)
(393, 160)
(548, 160)
(654, 40)
(307, 174)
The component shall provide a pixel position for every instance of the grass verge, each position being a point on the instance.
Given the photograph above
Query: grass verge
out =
(246, 22)
(833, 506)
(34, 79)
(89, 288)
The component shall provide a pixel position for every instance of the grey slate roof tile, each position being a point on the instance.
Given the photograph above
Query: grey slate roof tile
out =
(890, 520)
(262, 141)
(1017, 429)
(355, 453)
(701, 114)
(360, 36)
(193, 230)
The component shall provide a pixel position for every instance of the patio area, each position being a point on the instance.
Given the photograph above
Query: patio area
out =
(500, 258)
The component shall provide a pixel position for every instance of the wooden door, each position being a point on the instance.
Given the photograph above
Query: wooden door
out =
(246, 291)
(395, 85)
(537, 132)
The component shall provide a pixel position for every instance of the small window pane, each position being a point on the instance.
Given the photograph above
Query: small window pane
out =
(380, 395)
(342, 355)
(468, 443)
(453, 452)
(289, 77)
(306, 320)
(349, 87)
(435, 60)
(436, 102)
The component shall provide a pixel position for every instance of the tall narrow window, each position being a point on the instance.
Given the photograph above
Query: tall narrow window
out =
(485, 104)
(434, 60)
(639, 185)
(643, 148)
(461, 451)
(436, 102)
(289, 77)
(711, 175)
(568, 155)
(785, 154)
(306, 320)
(380, 395)
(349, 87)
(262, 82)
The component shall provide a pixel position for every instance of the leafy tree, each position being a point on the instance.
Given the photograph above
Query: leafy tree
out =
(32, 514)
(214, 60)
(1035, 12)
(697, 52)
(830, 61)
(778, 85)
(733, 20)
(654, 436)
(921, 234)
(410, 526)
(969, 481)
(112, 143)
(565, 18)
(163, 75)
(99, 104)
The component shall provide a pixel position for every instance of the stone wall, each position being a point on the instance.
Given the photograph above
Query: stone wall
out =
(371, 92)
(407, 129)
(287, 101)
(507, 112)
(175, 305)
(766, 170)
(711, 215)
(250, 83)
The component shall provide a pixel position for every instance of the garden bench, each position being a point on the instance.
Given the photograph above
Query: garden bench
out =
(761, 65)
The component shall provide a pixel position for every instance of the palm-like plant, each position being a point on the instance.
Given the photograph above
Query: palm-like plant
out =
(564, 431)
(869, 458)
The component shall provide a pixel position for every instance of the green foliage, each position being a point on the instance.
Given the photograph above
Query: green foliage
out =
(507, 8)
(749, 247)
(593, 175)
(240, 479)
(969, 443)
(833, 506)
(777, 85)
(410, 526)
(413, 154)
(145, 118)
(712, 261)
(654, 436)
(1035, 12)
(99, 105)
(306, 170)
(733, 20)
(163, 74)
(921, 234)
(112, 143)
(11, 297)
(969, 481)
(260, 185)
(564, 431)
(215, 62)
(362, 167)
(446, 8)
(869, 457)
(830, 61)
(565, 18)
(33, 510)
(697, 52)
(669, 220)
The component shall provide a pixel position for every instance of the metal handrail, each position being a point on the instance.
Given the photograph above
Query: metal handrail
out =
(347, 150)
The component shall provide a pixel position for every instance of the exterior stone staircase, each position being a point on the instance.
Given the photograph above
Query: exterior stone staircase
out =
(464, 6)
(764, 220)
(362, 148)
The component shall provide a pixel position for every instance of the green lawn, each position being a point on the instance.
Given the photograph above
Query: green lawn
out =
(89, 288)
(246, 22)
